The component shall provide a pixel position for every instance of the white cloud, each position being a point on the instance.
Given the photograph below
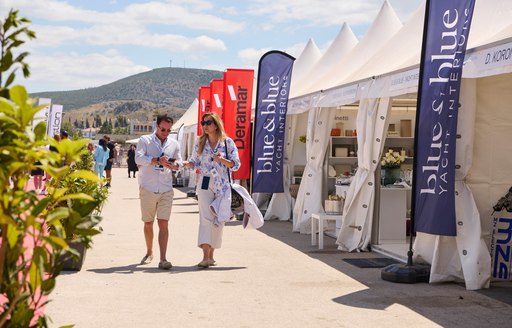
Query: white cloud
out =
(171, 14)
(109, 35)
(69, 71)
(251, 56)
(128, 27)
(314, 12)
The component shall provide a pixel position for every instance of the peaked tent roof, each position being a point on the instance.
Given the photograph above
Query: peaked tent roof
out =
(489, 18)
(403, 50)
(189, 117)
(303, 64)
(404, 46)
(385, 25)
(344, 42)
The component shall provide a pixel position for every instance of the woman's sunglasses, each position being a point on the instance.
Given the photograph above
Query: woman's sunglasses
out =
(209, 122)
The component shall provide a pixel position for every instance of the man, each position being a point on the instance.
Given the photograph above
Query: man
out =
(157, 155)
(111, 155)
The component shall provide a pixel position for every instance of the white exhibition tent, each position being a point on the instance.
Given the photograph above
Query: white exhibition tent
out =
(344, 42)
(483, 153)
(385, 25)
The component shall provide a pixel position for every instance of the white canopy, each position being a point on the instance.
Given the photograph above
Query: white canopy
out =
(393, 71)
(344, 42)
(189, 117)
(308, 58)
(385, 25)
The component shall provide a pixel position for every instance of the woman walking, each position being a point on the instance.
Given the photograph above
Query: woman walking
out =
(132, 166)
(101, 157)
(214, 153)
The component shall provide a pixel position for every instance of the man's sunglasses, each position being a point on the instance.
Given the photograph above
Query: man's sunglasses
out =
(165, 130)
(203, 123)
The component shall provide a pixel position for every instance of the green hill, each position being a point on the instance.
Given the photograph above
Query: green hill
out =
(162, 88)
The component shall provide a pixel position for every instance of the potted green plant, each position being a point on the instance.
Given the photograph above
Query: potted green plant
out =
(87, 214)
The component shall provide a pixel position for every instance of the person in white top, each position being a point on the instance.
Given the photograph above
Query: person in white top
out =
(214, 153)
(157, 155)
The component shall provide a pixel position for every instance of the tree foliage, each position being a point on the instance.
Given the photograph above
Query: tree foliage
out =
(12, 32)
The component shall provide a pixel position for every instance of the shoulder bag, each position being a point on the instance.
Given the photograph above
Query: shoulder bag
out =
(236, 200)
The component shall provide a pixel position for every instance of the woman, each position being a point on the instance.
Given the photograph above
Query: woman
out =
(37, 174)
(213, 160)
(101, 157)
(132, 166)
(90, 147)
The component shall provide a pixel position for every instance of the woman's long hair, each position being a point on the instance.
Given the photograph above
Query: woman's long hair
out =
(221, 134)
(103, 143)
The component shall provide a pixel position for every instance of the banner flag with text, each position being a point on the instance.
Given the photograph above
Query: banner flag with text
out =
(238, 84)
(203, 106)
(217, 97)
(43, 114)
(445, 38)
(274, 71)
(55, 121)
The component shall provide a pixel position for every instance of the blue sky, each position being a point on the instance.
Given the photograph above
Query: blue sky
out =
(88, 43)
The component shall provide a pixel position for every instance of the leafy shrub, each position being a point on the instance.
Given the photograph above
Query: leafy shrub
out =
(34, 230)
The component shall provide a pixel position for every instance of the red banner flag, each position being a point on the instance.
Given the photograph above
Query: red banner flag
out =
(237, 115)
(217, 97)
(203, 106)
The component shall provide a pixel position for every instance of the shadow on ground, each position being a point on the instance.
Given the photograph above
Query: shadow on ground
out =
(132, 268)
(425, 298)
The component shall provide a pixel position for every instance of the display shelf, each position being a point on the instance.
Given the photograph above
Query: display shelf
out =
(342, 156)
(400, 143)
(342, 147)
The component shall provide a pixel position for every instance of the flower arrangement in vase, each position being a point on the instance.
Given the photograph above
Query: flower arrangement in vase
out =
(391, 159)
(390, 165)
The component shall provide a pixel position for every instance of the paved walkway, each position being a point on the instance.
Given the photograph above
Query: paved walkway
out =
(265, 278)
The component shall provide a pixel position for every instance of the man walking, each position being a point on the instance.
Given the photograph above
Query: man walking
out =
(157, 155)
(111, 156)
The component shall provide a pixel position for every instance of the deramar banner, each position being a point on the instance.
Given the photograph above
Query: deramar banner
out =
(203, 106)
(217, 97)
(238, 84)
(274, 72)
(445, 38)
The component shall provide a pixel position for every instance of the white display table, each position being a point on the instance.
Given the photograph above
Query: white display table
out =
(317, 225)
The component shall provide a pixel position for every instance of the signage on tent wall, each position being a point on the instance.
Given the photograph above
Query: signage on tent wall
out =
(238, 84)
(43, 114)
(489, 61)
(404, 80)
(446, 29)
(501, 246)
(274, 72)
(55, 121)
(203, 106)
(217, 97)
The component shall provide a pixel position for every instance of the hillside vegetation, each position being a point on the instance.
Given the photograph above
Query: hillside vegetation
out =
(169, 89)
